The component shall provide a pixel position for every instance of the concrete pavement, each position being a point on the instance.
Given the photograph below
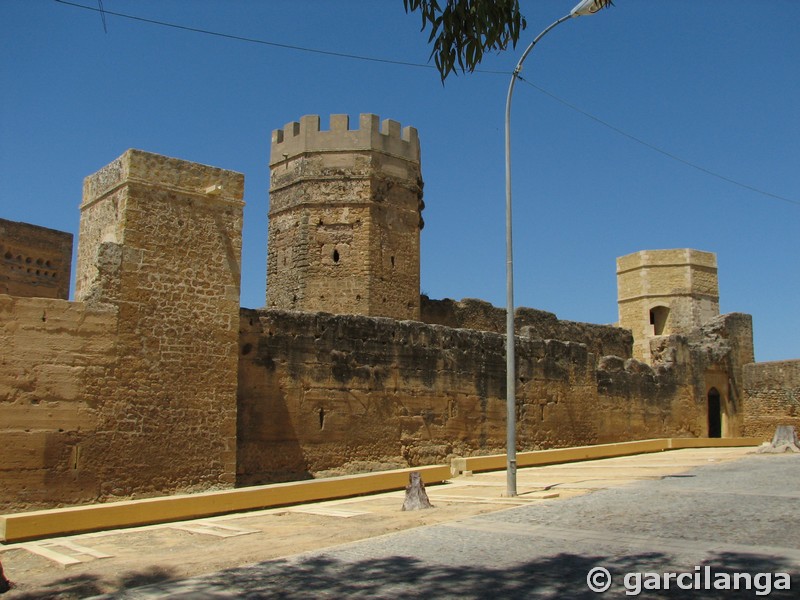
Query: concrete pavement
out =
(676, 511)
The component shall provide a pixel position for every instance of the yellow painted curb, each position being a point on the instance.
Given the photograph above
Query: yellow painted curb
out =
(677, 443)
(131, 513)
(497, 462)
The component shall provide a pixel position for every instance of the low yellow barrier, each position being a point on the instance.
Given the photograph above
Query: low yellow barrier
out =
(497, 462)
(114, 515)
(131, 513)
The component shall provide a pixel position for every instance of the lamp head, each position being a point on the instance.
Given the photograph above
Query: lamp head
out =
(589, 7)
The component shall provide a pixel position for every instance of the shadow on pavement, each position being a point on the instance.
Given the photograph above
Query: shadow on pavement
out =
(85, 586)
(559, 576)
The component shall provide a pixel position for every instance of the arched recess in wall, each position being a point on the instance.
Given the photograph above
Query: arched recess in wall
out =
(714, 413)
(658, 319)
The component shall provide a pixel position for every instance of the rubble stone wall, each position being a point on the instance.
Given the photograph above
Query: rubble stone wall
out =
(160, 240)
(771, 397)
(321, 393)
(475, 314)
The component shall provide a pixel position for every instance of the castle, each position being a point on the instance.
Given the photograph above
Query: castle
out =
(155, 381)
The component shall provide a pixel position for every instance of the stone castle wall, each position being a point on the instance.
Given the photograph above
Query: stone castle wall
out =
(35, 261)
(710, 359)
(469, 313)
(51, 352)
(772, 397)
(155, 381)
(132, 390)
(320, 392)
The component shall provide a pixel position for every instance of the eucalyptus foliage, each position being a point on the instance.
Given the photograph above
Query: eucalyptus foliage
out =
(462, 30)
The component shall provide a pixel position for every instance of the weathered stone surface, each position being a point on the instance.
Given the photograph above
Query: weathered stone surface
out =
(772, 397)
(131, 391)
(34, 261)
(138, 388)
(319, 391)
(470, 313)
(345, 218)
(49, 349)
(663, 292)
(161, 240)
(708, 360)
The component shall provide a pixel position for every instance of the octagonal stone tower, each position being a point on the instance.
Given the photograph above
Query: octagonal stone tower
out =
(661, 292)
(345, 218)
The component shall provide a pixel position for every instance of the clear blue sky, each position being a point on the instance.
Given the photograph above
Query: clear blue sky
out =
(712, 82)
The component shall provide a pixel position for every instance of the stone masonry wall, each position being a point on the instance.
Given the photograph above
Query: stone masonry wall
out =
(34, 261)
(469, 313)
(345, 218)
(680, 284)
(321, 393)
(160, 240)
(771, 397)
(50, 352)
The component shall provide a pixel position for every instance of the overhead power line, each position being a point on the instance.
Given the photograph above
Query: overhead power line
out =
(335, 54)
(654, 147)
(250, 40)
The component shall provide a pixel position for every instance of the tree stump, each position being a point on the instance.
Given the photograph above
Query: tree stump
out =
(416, 496)
(784, 440)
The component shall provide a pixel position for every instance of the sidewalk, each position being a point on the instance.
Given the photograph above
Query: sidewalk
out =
(106, 562)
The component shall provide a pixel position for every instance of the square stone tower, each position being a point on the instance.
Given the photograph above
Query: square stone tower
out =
(661, 292)
(345, 218)
(160, 242)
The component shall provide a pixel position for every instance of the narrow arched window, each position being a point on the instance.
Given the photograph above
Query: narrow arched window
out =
(658, 319)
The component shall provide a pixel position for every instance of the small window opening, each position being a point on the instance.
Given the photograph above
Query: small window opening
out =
(321, 417)
(336, 256)
(393, 261)
(658, 319)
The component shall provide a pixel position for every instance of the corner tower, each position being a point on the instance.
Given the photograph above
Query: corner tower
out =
(160, 240)
(345, 218)
(661, 292)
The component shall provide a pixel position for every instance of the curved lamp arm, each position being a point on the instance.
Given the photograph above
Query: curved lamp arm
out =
(585, 7)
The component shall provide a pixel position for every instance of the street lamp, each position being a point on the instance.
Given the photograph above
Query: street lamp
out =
(585, 7)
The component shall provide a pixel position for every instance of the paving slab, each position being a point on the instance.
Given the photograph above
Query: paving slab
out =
(678, 508)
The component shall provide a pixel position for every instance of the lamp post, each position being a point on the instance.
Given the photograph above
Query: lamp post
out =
(585, 7)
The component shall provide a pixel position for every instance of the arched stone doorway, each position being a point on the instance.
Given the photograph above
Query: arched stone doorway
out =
(714, 413)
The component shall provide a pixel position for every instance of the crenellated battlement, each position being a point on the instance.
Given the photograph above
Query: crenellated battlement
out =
(344, 217)
(385, 136)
